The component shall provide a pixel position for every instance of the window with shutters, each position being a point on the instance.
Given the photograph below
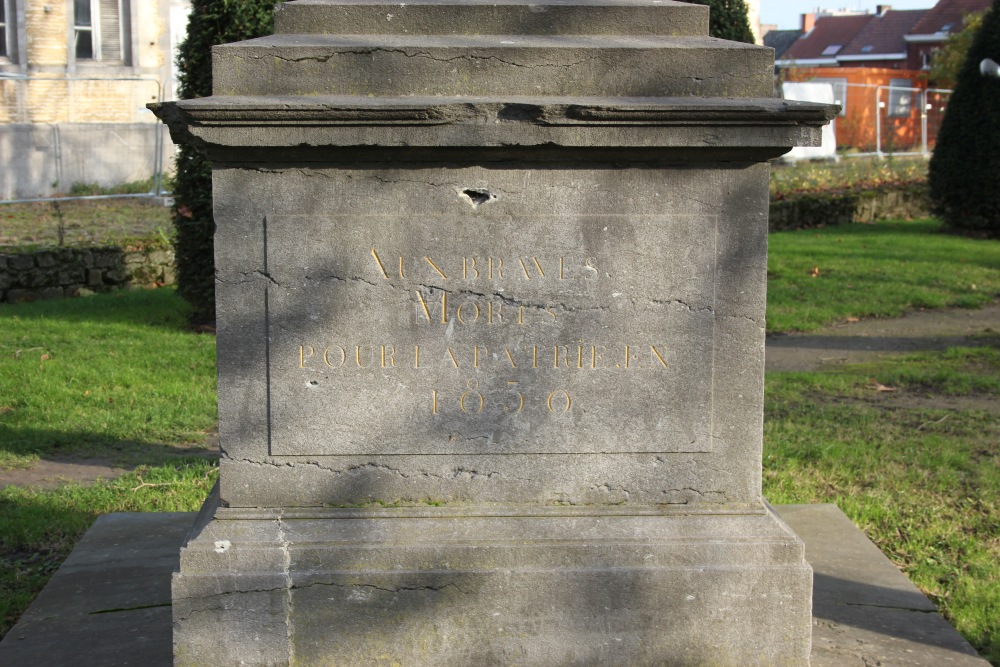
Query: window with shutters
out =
(100, 31)
(4, 39)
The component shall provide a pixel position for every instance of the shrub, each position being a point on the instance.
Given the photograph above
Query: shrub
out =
(964, 174)
(211, 22)
(727, 19)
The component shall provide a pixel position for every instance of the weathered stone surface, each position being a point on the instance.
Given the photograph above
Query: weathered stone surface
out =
(95, 277)
(442, 588)
(617, 285)
(21, 262)
(523, 17)
(474, 65)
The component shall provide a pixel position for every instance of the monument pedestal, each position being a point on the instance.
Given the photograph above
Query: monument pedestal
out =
(494, 586)
(491, 291)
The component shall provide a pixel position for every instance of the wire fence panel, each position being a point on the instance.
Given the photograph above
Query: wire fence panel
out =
(886, 119)
(80, 136)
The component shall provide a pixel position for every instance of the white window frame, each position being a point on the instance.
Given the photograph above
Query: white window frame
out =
(11, 32)
(98, 31)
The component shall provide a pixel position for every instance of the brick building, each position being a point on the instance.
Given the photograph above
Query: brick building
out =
(67, 65)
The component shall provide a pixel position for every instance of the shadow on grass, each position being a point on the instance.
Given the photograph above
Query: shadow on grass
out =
(152, 308)
(95, 449)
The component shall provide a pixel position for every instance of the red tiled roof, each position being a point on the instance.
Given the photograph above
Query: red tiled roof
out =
(948, 13)
(884, 33)
(829, 31)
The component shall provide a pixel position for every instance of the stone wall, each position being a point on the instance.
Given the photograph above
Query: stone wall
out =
(822, 209)
(55, 273)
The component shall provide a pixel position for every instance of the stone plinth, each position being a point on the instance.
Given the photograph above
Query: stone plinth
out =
(491, 289)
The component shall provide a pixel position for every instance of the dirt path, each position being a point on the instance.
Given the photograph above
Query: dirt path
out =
(843, 343)
(868, 340)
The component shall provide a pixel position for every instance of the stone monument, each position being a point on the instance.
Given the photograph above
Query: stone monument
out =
(491, 287)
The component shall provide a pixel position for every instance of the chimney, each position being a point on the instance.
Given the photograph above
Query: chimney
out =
(880, 10)
(808, 21)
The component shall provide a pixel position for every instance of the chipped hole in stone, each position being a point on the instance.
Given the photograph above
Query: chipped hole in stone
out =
(313, 383)
(478, 196)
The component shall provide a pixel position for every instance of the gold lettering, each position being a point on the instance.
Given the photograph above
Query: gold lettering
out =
(434, 401)
(499, 267)
(534, 356)
(452, 355)
(520, 398)
(416, 356)
(510, 358)
(593, 269)
(628, 356)
(466, 267)
(473, 386)
(520, 315)
(427, 311)
(566, 396)
(391, 358)
(303, 355)
(385, 274)
(538, 265)
(357, 356)
(657, 355)
(579, 356)
(459, 312)
(595, 356)
(524, 268)
(475, 355)
(562, 265)
(444, 308)
(343, 357)
(435, 267)
(565, 351)
(489, 312)
(549, 311)
(401, 267)
(482, 401)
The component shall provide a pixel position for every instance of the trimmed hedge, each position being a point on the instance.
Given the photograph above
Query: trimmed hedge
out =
(821, 209)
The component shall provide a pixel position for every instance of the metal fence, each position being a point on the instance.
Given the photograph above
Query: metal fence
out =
(63, 136)
(880, 120)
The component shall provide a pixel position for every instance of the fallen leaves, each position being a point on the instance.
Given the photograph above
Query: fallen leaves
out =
(878, 386)
(814, 272)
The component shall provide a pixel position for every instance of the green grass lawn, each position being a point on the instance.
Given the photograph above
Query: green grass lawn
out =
(821, 276)
(116, 376)
(922, 481)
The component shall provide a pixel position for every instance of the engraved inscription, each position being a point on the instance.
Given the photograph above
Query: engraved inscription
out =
(438, 345)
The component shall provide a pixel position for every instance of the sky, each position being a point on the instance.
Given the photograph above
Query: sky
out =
(786, 13)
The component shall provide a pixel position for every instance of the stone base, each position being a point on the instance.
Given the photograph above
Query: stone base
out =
(495, 586)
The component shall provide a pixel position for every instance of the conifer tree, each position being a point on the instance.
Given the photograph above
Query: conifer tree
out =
(211, 22)
(727, 19)
(964, 174)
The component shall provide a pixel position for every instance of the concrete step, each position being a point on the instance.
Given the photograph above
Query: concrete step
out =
(492, 66)
(486, 17)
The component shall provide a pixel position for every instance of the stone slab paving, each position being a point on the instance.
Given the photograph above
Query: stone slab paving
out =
(109, 604)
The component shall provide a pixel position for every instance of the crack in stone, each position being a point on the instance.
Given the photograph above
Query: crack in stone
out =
(249, 276)
(410, 54)
(329, 276)
(401, 589)
(289, 602)
(511, 301)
